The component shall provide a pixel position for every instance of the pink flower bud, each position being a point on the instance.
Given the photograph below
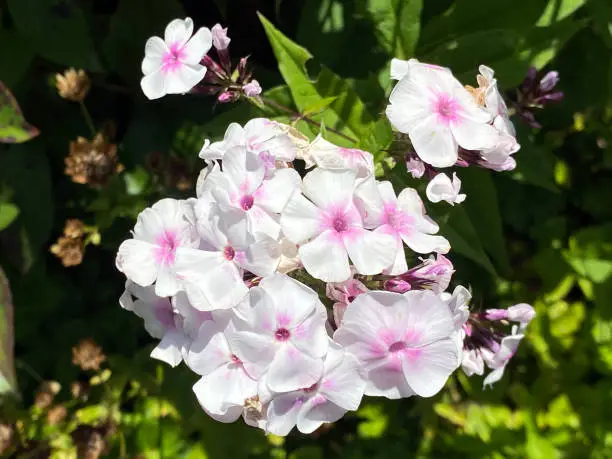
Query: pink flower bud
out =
(522, 313)
(397, 285)
(252, 88)
(219, 37)
(225, 97)
(496, 314)
(415, 167)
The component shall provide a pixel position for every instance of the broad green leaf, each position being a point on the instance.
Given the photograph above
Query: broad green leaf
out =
(13, 127)
(590, 253)
(57, 30)
(8, 213)
(8, 382)
(482, 207)
(377, 139)
(398, 23)
(557, 10)
(18, 52)
(346, 112)
(457, 227)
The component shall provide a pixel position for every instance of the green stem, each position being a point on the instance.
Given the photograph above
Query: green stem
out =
(297, 116)
(88, 119)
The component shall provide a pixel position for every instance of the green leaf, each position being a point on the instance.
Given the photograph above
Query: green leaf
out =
(13, 126)
(534, 164)
(57, 31)
(482, 207)
(19, 53)
(457, 227)
(377, 139)
(557, 10)
(590, 253)
(8, 382)
(398, 23)
(345, 113)
(8, 213)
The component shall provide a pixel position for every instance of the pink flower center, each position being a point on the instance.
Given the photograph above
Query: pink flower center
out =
(235, 360)
(398, 346)
(397, 219)
(172, 60)
(282, 334)
(229, 253)
(340, 224)
(246, 202)
(446, 107)
(167, 243)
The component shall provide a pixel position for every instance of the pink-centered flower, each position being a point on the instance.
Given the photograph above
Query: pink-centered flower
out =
(439, 115)
(174, 322)
(245, 185)
(160, 233)
(402, 217)
(329, 229)
(404, 342)
(225, 383)
(441, 188)
(265, 138)
(500, 359)
(282, 333)
(212, 274)
(172, 65)
(340, 389)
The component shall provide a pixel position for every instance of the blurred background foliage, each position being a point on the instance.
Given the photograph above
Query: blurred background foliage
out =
(541, 233)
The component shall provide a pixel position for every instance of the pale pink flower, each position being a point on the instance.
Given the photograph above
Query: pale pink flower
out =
(472, 362)
(220, 40)
(160, 233)
(225, 384)
(340, 389)
(265, 138)
(329, 229)
(329, 156)
(172, 65)
(252, 88)
(440, 188)
(244, 185)
(403, 341)
(212, 274)
(282, 333)
(499, 360)
(439, 115)
(403, 217)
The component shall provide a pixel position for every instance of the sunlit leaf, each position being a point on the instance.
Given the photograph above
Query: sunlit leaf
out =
(13, 126)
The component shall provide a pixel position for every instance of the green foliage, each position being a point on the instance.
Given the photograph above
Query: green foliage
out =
(541, 233)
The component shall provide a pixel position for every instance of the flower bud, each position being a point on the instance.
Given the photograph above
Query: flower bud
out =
(521, 312)
(225, 97)
(549, 81)
(397, 285)
(219, 37)
(252, 88)
(496, 314)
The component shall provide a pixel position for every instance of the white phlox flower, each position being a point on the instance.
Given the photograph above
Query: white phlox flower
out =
(339, 389)
(282, 334)
(212, 274)
(172, 65)
(438, 114)
(441, 188)
(265, 138)
(244, 185)
(326, 155)
(499, 360)
(161, 232)
(329, 229)
(402, 217)
(404, 342)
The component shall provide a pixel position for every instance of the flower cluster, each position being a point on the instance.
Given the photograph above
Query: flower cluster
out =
(235, 281)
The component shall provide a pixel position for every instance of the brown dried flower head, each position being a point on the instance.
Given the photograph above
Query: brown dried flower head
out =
(79, 389)
(89, 441)
(46, 393)
(73, 84)
(92, 162)
(480, 92)
(87, 355)
(70, 247)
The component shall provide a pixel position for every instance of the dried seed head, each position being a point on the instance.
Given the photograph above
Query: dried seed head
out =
(69, 250)
(73, 85)
(46, 393)
(92, 162)
(56, 414)
(87, 355)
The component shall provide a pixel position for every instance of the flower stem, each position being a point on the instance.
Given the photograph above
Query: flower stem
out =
(297, 116)
(88, 119)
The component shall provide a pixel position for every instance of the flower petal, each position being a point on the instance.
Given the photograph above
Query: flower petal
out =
(434, 142)
(276, 191)
(325, 258)
(155, 48)
(300, 219)
(178, 32)
(197, 46)
(170, 348)
(154, 85)
(136, 259)
(427, 371)
(324, 187)
(370, 252)
(292, 370)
